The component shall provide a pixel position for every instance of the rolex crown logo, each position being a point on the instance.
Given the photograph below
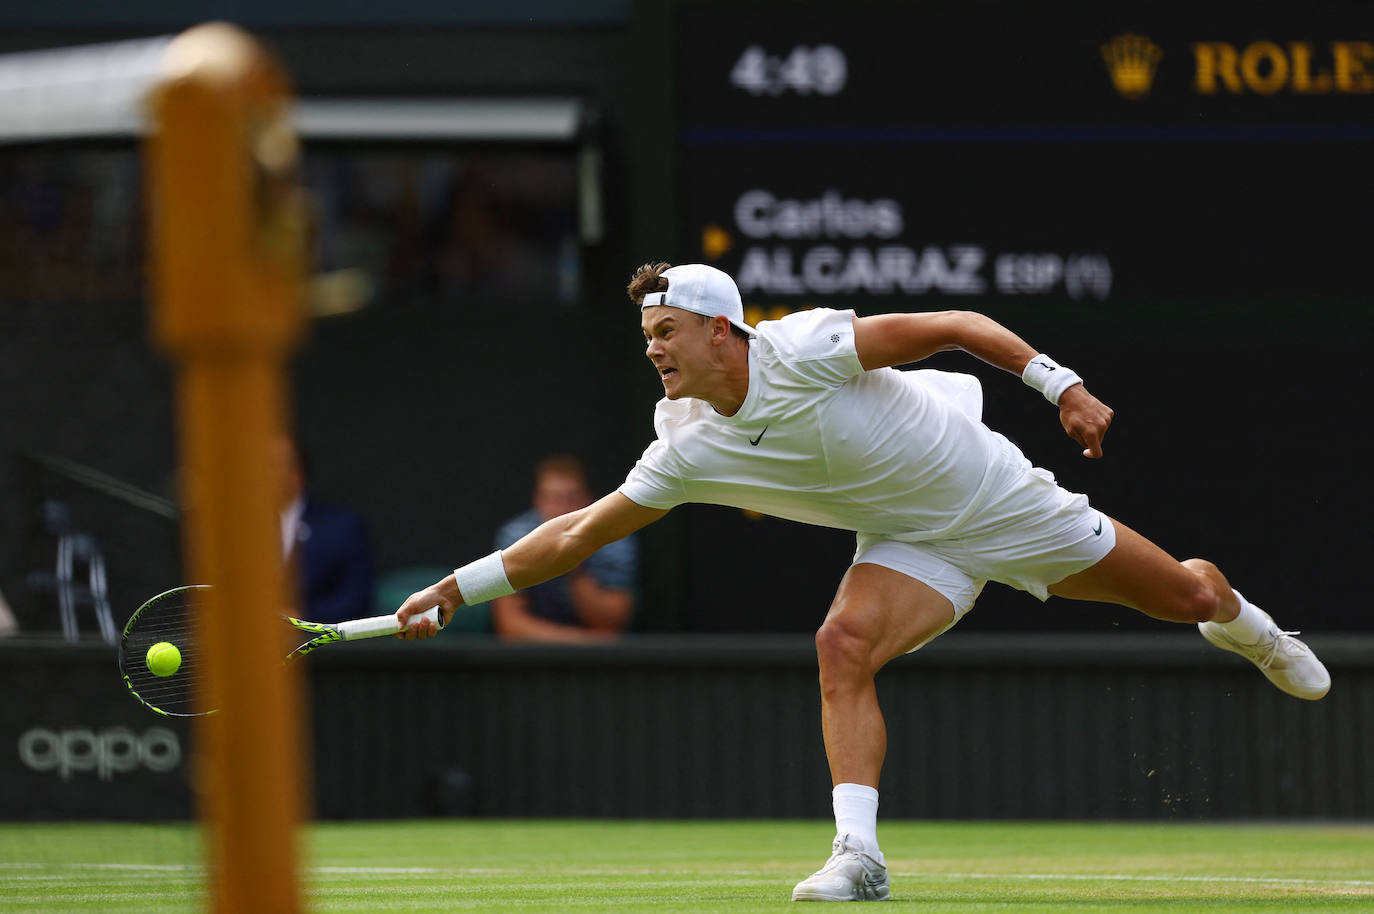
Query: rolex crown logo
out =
(1131, 61)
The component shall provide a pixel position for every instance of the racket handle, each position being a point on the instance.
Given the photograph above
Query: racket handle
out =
(376, 626)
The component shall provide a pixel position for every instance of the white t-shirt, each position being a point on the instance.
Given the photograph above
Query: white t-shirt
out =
(819, 440)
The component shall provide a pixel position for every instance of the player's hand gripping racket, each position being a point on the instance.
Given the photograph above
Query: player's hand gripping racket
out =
(160, 656)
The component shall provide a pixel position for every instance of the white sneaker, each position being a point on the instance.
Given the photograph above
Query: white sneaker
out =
(1286, 661)
(851, 874)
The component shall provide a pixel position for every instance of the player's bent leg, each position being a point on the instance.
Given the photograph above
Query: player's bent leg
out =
(877, 614)
(1138, 574)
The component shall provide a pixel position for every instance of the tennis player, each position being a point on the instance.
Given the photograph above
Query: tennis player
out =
(807, 418)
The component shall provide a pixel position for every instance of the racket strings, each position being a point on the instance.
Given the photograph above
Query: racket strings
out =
(169, 620)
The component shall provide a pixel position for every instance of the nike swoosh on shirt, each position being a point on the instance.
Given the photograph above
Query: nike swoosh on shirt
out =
(755, 441)
(1098, 531)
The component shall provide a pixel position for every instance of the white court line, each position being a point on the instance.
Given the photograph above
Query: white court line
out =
(141, 867)
(1129, 877)
(913, 874)
(199, 868)
(375, 870)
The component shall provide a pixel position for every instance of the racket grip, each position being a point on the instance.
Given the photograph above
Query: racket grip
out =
(376, 626)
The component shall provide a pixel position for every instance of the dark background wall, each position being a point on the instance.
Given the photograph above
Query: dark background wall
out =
(1126, 726)
(1232, 339)
(426, 416)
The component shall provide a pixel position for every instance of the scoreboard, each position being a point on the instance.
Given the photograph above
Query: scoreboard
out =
(1166, 196)
(900, 155)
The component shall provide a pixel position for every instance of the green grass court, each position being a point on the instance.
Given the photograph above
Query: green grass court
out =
(713, 866)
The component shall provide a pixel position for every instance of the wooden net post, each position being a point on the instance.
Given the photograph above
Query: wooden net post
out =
(227, 230)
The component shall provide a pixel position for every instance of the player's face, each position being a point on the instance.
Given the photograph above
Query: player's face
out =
(679, 346)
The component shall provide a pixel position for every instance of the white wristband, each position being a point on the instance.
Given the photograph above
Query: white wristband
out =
(483, 580)
(1049, 377)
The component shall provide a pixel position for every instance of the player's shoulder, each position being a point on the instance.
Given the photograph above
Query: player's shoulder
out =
(810, 334)
(815, 347)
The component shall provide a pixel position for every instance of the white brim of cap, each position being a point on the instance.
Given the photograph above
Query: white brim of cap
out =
(655, 299)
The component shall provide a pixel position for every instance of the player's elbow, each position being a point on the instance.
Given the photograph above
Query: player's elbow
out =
(960, 329)
(945, 331)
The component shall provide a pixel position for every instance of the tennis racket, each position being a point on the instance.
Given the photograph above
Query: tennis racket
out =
(167, 618)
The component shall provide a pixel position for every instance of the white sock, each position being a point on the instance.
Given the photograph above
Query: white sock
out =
(856, 815)
(1251, 625)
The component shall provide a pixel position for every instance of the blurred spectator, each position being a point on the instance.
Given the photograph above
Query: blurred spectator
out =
(594, 601)
(327, 547)
(491, 243)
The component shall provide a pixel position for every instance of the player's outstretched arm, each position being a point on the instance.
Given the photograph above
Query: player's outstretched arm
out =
(887, 340)
(551, 549)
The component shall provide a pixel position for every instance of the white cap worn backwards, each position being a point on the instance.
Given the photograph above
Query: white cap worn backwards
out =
(701, 289)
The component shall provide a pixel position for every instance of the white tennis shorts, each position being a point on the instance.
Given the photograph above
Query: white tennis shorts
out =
(1048, 534)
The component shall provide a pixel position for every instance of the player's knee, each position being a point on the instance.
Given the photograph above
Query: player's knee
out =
(1199, 602)
(842, 649)
(1201, 568)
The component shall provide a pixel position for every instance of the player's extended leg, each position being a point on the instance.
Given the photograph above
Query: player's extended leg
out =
(878, 614)
(1139, 574)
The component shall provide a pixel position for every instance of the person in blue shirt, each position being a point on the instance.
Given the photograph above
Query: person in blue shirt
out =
(594, 601)
(327, 547)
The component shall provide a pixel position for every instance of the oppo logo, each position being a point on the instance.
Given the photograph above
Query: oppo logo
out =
(114, 750)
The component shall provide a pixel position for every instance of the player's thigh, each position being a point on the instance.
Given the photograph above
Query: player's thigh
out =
(1136, 573)
(891, 612)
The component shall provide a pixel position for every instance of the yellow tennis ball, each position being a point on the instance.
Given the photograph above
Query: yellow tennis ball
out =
(164, 659)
